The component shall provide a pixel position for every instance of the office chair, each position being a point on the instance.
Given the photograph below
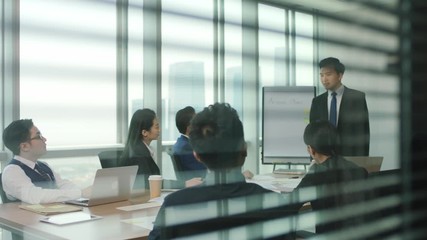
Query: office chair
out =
(110, 158)
(3, 196)
(179, 170)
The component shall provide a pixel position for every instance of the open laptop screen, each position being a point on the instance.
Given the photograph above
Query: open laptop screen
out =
(110, 185)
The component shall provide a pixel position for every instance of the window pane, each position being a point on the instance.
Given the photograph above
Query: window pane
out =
(187, 59)
(135, 56)
(304, 49)
(272, 46)
(233, 54)
(67, 70)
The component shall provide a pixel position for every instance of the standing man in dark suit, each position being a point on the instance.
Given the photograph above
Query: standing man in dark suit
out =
(345, 108)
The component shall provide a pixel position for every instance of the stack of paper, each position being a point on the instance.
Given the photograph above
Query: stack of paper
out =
(51, 209)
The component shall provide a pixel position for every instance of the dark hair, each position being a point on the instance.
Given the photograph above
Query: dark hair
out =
(332, 63)
(16, 133)
(142, 119)
(183, 118)
(217, 136)
(323, 137)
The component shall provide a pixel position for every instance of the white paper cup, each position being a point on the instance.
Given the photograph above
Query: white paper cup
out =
(155, 185)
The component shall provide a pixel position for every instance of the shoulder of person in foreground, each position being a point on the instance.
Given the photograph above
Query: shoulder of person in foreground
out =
(202, 203)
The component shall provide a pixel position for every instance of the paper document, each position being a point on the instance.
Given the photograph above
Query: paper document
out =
(145, 222)
(275, 184)
(140, 206)
(68, 218)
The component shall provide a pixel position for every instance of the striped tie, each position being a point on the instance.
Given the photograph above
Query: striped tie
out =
(42, 173)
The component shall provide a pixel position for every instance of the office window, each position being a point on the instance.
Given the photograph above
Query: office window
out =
(273, 46)
(68, 70)
(233, 55)
(286, 47)
(187, 59)
(304, 49)
(135, 56)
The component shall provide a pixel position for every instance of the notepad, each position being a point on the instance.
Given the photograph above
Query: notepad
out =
(51, 209)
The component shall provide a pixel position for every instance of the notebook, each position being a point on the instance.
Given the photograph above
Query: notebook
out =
(110, 185)
(371, 164)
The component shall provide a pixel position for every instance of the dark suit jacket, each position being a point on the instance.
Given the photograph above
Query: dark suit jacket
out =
(353, 121)
(183, 153)
(140, 155)
(333, 181)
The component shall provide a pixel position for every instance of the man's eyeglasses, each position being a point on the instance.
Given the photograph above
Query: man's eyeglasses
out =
(37, 137)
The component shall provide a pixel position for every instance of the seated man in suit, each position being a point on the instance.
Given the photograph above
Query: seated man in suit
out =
(332, 177)
(27, 179)
(224, 200)
(182, 150)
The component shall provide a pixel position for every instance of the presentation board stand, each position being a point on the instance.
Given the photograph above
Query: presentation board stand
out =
(289, 166)
(285, 114)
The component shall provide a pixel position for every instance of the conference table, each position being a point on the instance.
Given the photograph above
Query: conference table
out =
(120, 220)
(113, 224)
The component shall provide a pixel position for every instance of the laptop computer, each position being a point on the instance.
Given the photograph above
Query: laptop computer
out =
(371, 164)
(110, 185)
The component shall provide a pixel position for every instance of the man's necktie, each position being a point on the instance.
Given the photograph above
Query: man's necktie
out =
(42, 173)
(333, 110)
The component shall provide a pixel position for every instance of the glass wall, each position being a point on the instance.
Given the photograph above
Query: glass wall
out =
(187, 59)
(304, 50)
(234, 87)
(135, 56)
(286, 47)
(68, 70)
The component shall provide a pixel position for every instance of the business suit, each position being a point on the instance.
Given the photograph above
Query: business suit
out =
(141, 156)
(353, 121)
(333, 180)
(183, 152)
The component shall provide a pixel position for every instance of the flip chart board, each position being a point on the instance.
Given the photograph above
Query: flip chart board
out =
(285, 114)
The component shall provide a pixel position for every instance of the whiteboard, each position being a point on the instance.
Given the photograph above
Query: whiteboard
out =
(285, 114)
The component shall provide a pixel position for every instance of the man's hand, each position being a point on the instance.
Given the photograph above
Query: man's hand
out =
(248, 174)
(193, 182)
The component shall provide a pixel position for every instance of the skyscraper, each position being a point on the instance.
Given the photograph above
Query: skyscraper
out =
(186, 88)
(234, 88)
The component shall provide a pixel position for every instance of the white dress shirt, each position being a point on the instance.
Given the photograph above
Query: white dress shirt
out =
(18, 185)
(152, 153)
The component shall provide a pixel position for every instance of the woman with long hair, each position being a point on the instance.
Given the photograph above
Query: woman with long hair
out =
(144, 127)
